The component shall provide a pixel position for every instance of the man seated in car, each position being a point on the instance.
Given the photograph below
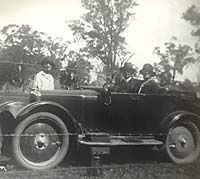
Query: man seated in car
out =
(149, 84)
(125, 81)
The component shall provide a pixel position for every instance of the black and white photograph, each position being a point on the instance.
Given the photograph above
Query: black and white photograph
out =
(99, 89)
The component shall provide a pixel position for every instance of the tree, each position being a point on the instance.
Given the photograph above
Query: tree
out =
(186, 85)
(77, 71)
(22, 50)
(102, 27)
(192, 15)
(56, 48)
(19, 46)
(173, 59)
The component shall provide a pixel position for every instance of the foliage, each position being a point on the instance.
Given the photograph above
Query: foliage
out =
(77, 71)
(192, 15)
(22, 49)
(101, 29)
(186, 85)
(173, 60)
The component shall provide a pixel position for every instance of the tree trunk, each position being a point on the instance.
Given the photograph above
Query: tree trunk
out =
(173, 75)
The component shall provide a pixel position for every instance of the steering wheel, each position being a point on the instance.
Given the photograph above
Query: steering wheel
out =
(107, 89)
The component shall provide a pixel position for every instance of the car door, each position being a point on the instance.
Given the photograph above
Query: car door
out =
(122, 112)
(136, 113)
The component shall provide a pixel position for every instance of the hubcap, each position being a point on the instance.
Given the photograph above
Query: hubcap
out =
(42, 144)
(41, 141)
(181, 142)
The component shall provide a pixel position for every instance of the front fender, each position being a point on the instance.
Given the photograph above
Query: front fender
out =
(11, 107)
(39, 106)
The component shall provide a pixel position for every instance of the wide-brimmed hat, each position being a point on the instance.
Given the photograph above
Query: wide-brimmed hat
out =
(128, 66)
(147, 68)
(47, 60)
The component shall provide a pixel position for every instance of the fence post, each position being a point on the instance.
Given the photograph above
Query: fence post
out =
(95, 165)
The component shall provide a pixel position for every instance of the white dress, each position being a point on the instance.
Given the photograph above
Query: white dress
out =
(43, 81)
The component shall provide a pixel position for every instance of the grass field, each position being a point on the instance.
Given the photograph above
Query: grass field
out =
(122, 164)
(134, 171)
(126, 163)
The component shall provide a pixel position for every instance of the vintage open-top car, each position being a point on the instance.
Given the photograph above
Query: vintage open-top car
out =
(57, 122)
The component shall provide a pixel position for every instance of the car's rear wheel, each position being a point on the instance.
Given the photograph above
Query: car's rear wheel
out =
(41, 141)
(183, 142)
(1, 139)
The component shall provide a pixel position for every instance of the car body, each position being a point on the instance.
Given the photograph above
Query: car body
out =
(57, 122)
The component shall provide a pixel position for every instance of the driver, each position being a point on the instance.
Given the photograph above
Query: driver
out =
(149, 83)
(126, 83)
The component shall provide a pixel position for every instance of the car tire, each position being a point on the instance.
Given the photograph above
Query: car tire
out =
(1, 140)
(183, 142)
(41, 141)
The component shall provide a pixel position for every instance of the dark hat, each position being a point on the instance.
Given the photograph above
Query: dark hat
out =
(128, 66)
(147, 68)
(47, 60)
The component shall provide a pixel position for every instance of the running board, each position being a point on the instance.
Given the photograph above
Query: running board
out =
(123, 142)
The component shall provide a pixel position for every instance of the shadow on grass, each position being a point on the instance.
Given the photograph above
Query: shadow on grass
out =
(139, 162)
(120, 155)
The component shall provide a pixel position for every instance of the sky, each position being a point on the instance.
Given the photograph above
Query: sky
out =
(155, 22)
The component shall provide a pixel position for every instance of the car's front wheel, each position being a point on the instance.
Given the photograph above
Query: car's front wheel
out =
(183, 142)
(41, 141)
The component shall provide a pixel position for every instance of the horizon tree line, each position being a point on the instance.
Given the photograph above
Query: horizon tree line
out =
(103, 40)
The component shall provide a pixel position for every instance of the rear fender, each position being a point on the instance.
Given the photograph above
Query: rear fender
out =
(171, 119)
(45, 106)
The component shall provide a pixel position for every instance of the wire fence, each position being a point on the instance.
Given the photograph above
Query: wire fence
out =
(85, 171)
(114, 135)
(92, 168)
(81, 76)
(37, 65)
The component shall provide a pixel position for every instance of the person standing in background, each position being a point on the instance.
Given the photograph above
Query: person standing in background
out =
(44, 80)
